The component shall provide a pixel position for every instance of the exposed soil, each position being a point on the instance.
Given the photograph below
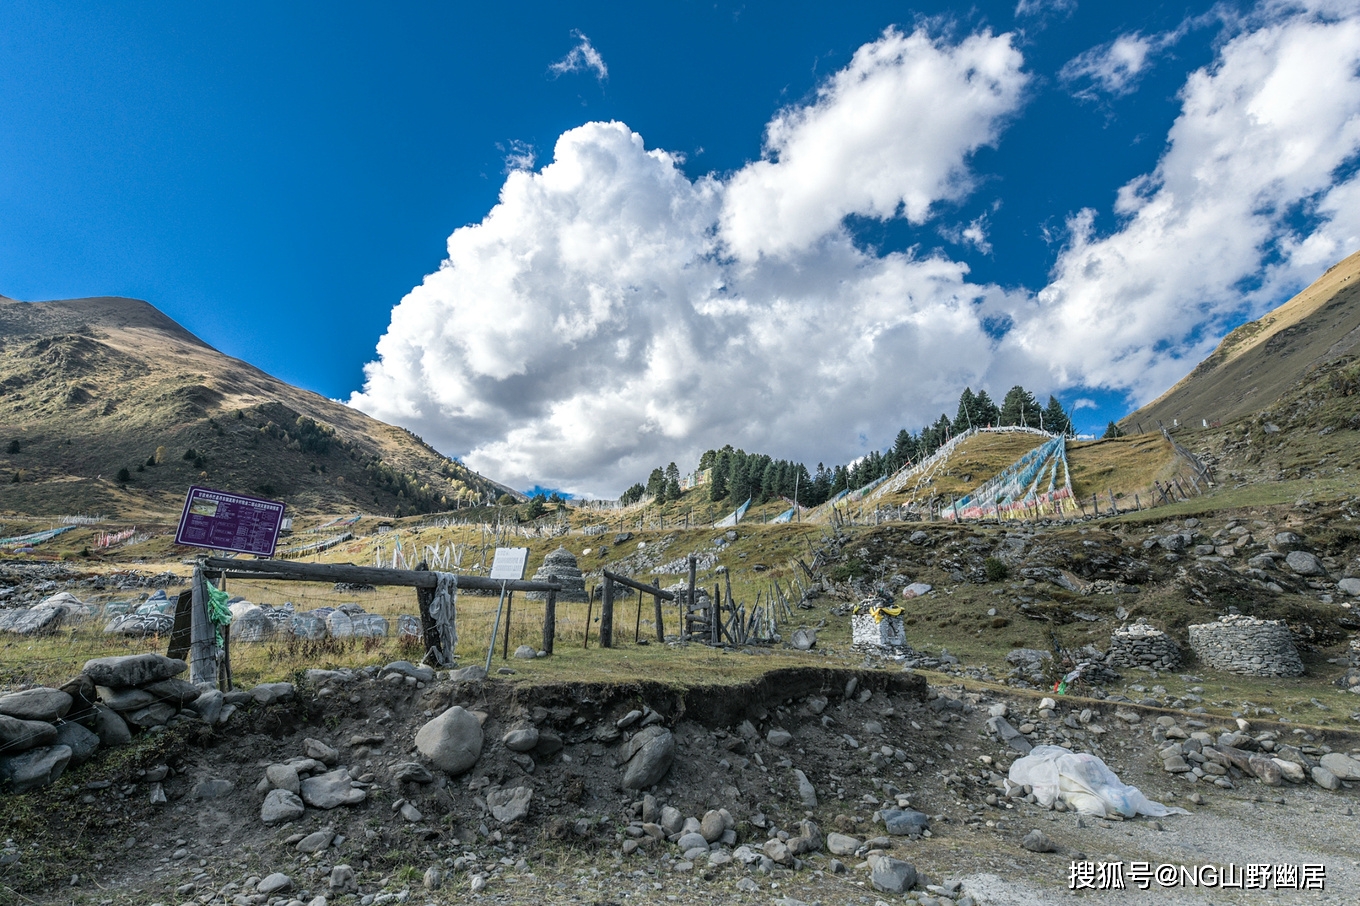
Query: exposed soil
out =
(924, 745)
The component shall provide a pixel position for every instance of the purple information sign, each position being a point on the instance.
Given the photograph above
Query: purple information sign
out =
(229, 522)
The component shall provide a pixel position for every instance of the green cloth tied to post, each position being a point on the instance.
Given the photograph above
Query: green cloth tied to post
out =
(218, 612)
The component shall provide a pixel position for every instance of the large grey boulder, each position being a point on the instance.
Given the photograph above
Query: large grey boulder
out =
(330, 790)
(1343, 766)
(44, 704)
(110, 727)
(648, 757)
(452, 741)
(891, 875)
(1325, 778)
(1305, 564)
(82, 742)
(132, 669)
(280, 806)
(1349, 586)
(18, 735)
(34, 768)
(510, 805)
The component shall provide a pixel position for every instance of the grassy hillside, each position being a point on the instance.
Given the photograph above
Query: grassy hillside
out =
(1259, 362)
(89, 387)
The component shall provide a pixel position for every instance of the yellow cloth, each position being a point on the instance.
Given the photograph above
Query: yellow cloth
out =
(890, 610)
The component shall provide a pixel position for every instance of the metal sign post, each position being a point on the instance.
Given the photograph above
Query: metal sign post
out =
(508, 566)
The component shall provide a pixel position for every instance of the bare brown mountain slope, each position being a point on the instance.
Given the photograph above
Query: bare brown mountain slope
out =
(1260, 361)
(89, 387)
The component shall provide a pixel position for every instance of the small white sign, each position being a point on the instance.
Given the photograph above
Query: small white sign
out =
(509, 563)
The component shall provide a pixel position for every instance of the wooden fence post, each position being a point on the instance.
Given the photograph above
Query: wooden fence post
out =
(688, 608)
(607, 615)
(550, 622)
(202, 647)
(715, 618)
(660, 627)
(429, 630)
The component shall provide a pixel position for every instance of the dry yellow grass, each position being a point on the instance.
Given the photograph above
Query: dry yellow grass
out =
(1124, 466)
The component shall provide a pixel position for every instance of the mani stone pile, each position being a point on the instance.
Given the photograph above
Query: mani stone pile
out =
(1242, 644)
(1140, 645)
(560, 566)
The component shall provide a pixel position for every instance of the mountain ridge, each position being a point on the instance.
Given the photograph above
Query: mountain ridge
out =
(143, 394)
(1257, 363)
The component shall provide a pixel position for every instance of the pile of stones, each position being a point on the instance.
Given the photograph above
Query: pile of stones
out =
(259, 622)
(43, 731)
(1233, 756)
(1139, 644)
(560, 566)
(1245, 645)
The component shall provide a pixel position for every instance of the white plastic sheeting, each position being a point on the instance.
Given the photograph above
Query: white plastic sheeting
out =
(1084, 783)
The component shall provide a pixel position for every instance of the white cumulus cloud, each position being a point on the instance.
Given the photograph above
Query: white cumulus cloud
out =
(596, 320)
(888, 135)
(610, 313)
(1207, 236)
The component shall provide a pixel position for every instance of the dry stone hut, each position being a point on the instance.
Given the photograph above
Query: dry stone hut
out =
(1243, 644)
(1141, 645)
(560, 567)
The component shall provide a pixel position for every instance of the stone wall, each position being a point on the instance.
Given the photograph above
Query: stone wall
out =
(1141, 645)
(1243, 644)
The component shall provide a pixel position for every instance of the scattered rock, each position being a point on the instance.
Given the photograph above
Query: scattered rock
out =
(1305, 564)
(331, 790)
(1036, 841)
(1343, 766)
(905, 822)
(317, 841)
(521, 739)
(280, 806)
(891, 875)
(648, 757)
(806, 791)
(452, 741)
(842, 845)
(510, 805)
(278, 882)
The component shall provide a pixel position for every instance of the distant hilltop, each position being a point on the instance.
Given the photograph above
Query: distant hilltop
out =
(107, 404)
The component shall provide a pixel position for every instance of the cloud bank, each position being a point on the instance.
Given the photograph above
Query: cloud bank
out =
(610, 313)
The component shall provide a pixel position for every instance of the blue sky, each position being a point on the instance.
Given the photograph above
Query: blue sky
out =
(568, 243)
